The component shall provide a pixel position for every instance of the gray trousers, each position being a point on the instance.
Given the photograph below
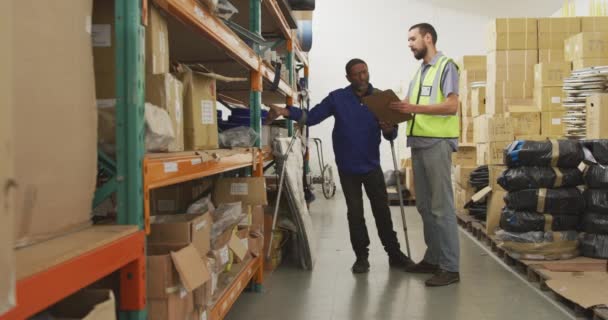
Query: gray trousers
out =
(435, 203)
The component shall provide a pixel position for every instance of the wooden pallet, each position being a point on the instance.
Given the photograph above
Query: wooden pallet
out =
(535, 271)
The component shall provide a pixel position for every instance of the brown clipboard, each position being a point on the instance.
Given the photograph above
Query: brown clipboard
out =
(378, 103)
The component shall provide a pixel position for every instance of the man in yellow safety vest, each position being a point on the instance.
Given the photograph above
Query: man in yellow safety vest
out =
(432, 135)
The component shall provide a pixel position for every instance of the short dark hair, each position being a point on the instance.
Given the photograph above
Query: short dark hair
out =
(352, 63)
(424, 29)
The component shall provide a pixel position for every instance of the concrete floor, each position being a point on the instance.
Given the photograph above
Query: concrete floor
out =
(331, 292)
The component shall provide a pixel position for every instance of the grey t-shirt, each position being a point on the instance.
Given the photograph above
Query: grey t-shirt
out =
(449, 85)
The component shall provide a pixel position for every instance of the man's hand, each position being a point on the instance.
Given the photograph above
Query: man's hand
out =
(386, 127)
(274, 113)
(403, 107)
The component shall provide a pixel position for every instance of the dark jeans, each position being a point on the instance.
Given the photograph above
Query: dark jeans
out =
(375, 188)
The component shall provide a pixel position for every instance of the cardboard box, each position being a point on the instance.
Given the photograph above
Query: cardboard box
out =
(409, 182)
(462, 196)
(524, 123)
(513, 34)
(200, 117)
(551, 74)
(539, 137)
(472, 63)
(166, 92)
(597, 116)
(54, 109)
(491, 153)
(176, 199)
(239, 245)
(490, 128)
(467, 129)
(257, 218)
(462, 174)
(495, 205)
(589, 62)
(465, 156)
(559, 25)
(249, 191)
(103, 37)
(511, 65)
(174, 268)
(7, 166)
(478, 101)
(520, 105)
(157, 43)
(549, 99)
(552, 123)
(497, 93)
(176, 306)
(87, 304)
(587, 45)
(256, 243)
(494, 173)
(551, 55)
(554, 40)
(182, 229)
(594, 24)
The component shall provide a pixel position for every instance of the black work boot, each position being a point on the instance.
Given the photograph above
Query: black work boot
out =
(443, 278)
(360, 266)
(399, 260)
(422, 267)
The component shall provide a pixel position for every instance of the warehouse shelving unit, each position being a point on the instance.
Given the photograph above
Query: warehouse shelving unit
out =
(55, 269)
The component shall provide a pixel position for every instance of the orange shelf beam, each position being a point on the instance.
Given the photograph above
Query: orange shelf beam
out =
(37, 292)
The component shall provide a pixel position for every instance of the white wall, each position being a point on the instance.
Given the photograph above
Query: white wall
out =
(376, 31)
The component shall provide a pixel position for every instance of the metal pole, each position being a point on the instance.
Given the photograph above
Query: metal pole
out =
(399, 190)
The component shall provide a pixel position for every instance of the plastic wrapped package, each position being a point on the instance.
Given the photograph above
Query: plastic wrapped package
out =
(596, 177)
(595, 223)
(159, 128)
(202, 205)
(238, 137)
(225, 217)
(550, 153)
(598, 149)
(567, 201)
(540, 245)
(524, 221)
(480, 177)
(596, 200)
(539, 177)
(594, 245)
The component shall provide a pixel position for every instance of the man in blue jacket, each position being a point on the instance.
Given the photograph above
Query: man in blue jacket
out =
(356, 141)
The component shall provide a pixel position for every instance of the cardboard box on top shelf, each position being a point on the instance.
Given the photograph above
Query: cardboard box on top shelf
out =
(491, 153)
(495, 205)
(587, 45)
(176, 199)
(511, 65)
(490, 128)
(551, 55)
(513, 34)
(466, 156)
(494, 172)
(589, 62)
(521, 105)
(157, 43)
(250, 191)
(472, 63)
(551, 74)
(103, 37)
(200, 105)
(166, 92)
(498, 93)
(524, 123)
(478, 101)
(552, 123)
(462, 175)
(86, 304)
(182, 229)
(594, 24)
(467, 129)
(549, 99)
(53, 91)
(597, 116)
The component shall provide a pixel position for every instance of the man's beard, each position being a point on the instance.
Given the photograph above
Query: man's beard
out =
(420, 54)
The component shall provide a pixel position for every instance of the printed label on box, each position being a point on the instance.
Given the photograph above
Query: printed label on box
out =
(196, 161)
(239, 189)
(207, 114)
(182, 293)
(556, 121)
(101, 35)
(556, 100)
(224, 255)
(106, 103)
(170, 167)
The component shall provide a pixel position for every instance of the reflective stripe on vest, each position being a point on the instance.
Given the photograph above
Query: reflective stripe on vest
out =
(428, 92)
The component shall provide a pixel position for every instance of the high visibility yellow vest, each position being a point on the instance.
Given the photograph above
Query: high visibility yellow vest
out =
(428, 92)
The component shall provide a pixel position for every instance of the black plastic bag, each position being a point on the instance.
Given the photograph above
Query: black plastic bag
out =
(539, 177)
(540, 153)
(599, 150)
(525, 221)
(594, 245)
(596, 200)
(596, 177)
(568, 201)
(480, 177)
(595, 223)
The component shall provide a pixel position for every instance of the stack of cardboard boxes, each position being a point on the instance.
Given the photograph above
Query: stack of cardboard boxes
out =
(590, 47)
(472, 69)
(548, 94)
